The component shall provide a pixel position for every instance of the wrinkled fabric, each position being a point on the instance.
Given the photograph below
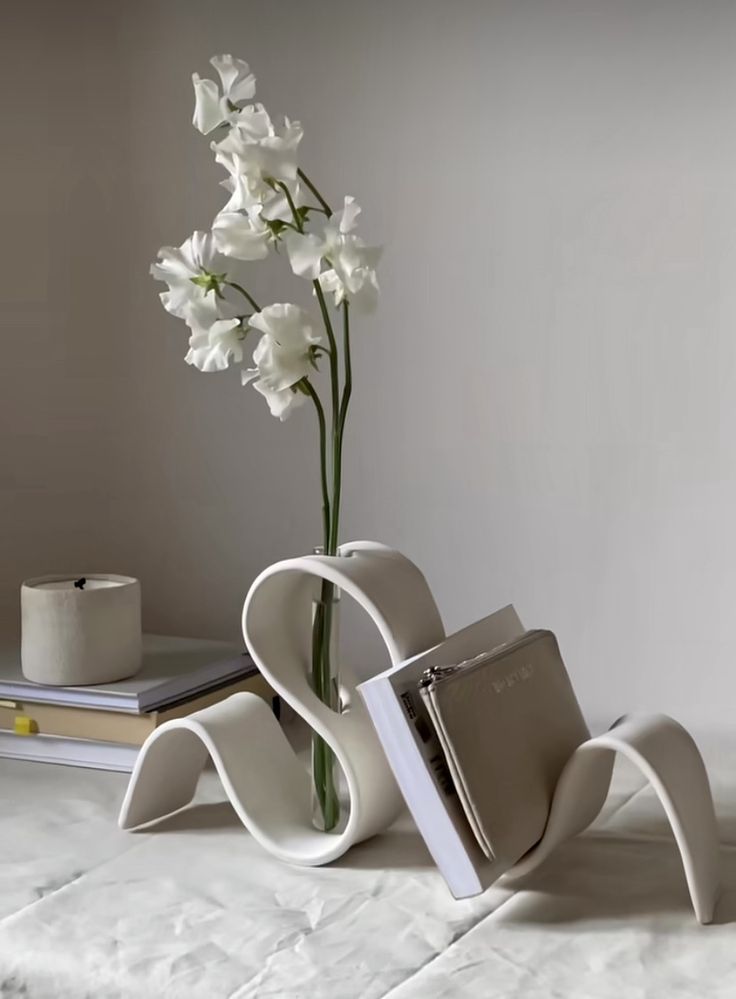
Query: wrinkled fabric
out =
(194, 908)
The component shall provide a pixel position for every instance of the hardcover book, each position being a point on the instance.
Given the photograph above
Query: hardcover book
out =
(64, 721)
(173, 669)
(418, 761)
(103, 726)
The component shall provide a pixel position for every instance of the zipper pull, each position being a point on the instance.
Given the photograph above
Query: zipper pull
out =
(434, 673)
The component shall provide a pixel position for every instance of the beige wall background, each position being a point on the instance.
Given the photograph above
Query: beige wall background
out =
(546, 399)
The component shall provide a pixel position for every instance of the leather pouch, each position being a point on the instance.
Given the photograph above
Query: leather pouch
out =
(508, 721)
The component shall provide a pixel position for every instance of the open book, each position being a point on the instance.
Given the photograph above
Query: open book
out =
(416, 758)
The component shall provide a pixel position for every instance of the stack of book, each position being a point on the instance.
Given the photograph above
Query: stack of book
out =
(104, 726)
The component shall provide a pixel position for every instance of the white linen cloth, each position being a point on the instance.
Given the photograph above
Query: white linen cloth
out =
(194, 909)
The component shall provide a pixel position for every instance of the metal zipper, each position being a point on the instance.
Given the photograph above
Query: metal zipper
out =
(434, 674)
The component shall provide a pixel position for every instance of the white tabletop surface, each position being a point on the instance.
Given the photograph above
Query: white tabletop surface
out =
(195, 909)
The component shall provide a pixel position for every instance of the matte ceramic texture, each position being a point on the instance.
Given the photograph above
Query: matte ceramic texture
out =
(667, 756)
(78, 637)
(268, 785)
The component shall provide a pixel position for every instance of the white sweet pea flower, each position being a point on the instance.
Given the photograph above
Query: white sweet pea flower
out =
(215, 340)
(211, 108)
(359, 287)
(212, 350)
(306, 251)
(345, 220)
(282, 357)
(260, 159)
(284, 349)
(272, 205)
(242, 235)
(191, 271)
(254, 122)
(281, 402)
(350, 272)
(238, 83)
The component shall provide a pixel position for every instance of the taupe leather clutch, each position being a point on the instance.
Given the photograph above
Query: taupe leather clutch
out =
(508, 721)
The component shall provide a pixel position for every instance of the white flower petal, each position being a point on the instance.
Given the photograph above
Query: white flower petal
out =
(282, 403)
(208, 110)
(279, 367)
(226, 159)
(279, 153)
(178, 298)
(206, 358)
(289, 325)
(276, 205)
(213, 350)
(204, 253)
(260, 158)
(359, 287)
(238, 82)
(282, 356)
(178, 265)
(253, 122)
(305, 254)
(226, 333)
(349, 214)
(365, 297)
(201, 313)
(173, 264)
(351, 254)
(239, 236)
(241, 198)
(332, 285)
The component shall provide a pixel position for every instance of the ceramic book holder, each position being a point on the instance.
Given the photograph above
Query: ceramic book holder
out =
(270, 789)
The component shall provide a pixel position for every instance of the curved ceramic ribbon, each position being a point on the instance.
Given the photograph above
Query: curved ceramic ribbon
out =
(265, 781)
(269, 787)
(669, 759)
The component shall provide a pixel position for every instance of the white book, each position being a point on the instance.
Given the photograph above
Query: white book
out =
(415, 756)
(173, 669)
(70, 752)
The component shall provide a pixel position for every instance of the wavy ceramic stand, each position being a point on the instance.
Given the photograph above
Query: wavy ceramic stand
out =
(667, 756)
(265, 781)
(269, 786)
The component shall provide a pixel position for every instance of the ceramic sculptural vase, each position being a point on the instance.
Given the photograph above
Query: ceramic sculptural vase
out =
(268, 785)
(270, 788)
(280, 621)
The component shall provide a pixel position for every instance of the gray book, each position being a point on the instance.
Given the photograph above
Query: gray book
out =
(174, 669)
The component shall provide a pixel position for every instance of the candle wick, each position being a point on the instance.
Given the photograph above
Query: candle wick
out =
(79, 584)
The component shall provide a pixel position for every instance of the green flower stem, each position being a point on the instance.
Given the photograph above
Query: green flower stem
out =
(330, 547)
(325, 687)
(251, 301)
(295, 214)
(334, 374)
(326, 520)
(348, 388)
(324, 683)
(340, 430)
(323, 758)
(325, 207)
